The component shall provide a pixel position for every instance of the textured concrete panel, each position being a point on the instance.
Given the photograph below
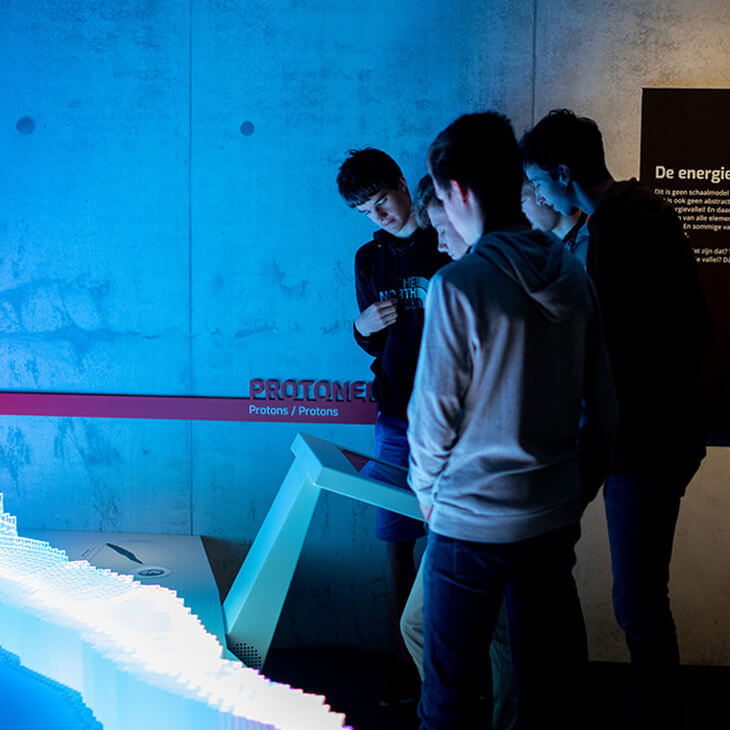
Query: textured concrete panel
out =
(699, 572)
(594, 578)
(700, 569)
(96, 474)
(595, 58)
(94, 227)
(273, 291)
(238, 467)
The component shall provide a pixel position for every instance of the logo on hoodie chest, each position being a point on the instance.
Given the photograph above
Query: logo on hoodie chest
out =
(411, 292)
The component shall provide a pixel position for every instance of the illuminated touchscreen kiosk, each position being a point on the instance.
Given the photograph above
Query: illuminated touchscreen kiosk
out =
(254, 603)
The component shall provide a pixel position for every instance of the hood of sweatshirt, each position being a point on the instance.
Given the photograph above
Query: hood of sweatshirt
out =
(538, 263)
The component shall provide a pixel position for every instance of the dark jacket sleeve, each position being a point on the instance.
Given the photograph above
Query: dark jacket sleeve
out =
(366, 295)
(600, 411)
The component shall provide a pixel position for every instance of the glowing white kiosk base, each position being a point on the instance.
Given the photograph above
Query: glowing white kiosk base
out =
(255, 600)
(177, 562)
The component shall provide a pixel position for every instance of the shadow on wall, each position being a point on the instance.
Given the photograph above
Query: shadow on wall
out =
(225, 558)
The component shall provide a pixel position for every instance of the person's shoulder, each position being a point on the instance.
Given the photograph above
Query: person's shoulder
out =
(629, 201)
(426, 239)
(574, 266)
(366, 252)
(426, 251)
(461, 272)
(467, 281)
(448, 280)
(425, 236)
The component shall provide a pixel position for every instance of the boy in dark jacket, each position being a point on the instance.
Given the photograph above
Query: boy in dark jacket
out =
(391, 277)
(657, 328)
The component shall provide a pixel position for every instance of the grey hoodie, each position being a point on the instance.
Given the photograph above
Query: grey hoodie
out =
(511, 348)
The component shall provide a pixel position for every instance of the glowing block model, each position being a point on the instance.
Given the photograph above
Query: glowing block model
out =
(32, 700)
(136, 654)
(254, 602)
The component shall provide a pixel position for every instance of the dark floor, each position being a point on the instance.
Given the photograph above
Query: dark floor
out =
(352, 681)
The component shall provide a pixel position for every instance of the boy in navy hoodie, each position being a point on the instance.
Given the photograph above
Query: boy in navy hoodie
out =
(392, 272)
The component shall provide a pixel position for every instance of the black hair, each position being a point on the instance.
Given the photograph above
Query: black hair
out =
(425, 197)
(481, 153)
(365, 173)
(562, 138)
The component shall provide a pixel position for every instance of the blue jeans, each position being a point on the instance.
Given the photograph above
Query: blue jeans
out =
(391, 445)
(464, 586)
(642, 511)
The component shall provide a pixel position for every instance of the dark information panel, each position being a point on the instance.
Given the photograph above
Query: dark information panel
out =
(685, 156)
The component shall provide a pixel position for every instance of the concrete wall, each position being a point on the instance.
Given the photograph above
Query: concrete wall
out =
(170, 225)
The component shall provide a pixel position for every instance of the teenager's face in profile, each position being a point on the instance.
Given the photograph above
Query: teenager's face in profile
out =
(542, 217)
(449, 240)
(553, 192)
(456, 212)
(390, 209)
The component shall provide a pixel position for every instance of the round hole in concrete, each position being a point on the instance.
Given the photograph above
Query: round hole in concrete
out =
(25, 125)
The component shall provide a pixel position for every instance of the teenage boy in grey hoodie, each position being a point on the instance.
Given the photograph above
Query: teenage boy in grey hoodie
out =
(512, 347)
(429, 212)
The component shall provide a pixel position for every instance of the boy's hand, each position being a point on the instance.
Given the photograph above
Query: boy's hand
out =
(377, 316)
(426, 512)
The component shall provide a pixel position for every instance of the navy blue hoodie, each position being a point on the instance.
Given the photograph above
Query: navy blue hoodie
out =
(395, 268)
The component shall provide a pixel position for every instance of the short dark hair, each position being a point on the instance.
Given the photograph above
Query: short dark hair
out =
(481, 153)
(562, 138)
(365, 173)
(425, 197)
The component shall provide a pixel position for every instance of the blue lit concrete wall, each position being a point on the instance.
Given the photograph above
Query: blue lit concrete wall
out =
(94, 259)
(153, 244)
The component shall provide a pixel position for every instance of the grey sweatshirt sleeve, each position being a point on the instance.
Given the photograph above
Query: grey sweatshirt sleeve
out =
(442, 379)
